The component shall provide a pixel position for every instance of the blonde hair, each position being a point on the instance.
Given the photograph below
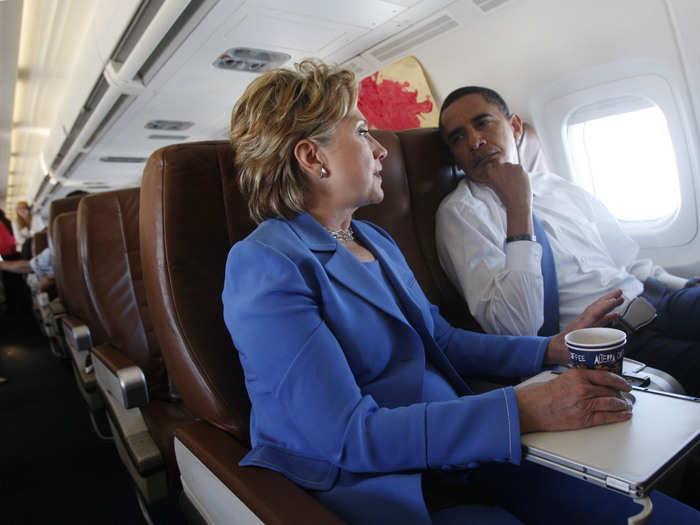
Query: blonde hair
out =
(275, 112)
(20, 220)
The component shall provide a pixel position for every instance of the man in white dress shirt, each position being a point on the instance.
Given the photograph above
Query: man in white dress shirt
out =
(485, 234)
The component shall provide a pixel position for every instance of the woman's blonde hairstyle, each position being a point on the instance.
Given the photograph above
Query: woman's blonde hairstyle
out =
(20, 220)
(275, 112)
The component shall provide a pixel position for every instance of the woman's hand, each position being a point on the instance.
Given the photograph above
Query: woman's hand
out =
(578, 398)
(596, 314)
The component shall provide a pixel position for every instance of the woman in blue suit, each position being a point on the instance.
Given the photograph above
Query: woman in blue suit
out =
(354, 377)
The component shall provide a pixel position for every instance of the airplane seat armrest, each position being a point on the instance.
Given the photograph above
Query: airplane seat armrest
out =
(56, 306)
(43, 299)
(76, 333)
(274, 499)
(120, 376)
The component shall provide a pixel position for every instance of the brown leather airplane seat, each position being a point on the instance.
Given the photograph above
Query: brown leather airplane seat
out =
(39, 242)
(143, 410)
(82, 328)
(184, 246)
(530, 150)
(417, 174)
(57, 207)
(195, 214)
(51, 308)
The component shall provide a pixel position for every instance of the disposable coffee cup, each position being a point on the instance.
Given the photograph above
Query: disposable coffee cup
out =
(597, 348)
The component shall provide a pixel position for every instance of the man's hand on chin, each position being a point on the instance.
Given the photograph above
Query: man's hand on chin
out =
(510, 182)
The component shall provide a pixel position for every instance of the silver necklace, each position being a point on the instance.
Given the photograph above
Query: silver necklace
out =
(343, 235)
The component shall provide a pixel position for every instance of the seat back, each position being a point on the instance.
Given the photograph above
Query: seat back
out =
(417, 174)
(57, 207)
(530, 148)
(395, 212)
(39, 242)
(194, 215)
(70, 280)
(110, 258)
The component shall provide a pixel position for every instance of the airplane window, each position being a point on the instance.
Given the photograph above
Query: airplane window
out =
(622, 152)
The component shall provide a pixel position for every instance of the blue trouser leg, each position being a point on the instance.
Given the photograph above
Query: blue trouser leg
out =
(672, 341)
(679, 314)
(539, 495)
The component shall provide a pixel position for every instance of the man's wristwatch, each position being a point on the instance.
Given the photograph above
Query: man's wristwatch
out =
(523, 237)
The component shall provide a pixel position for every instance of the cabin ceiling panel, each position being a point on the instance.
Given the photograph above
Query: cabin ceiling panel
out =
(271, 31)
(55, 34)
(100, 34)
(415, 13)
(526, 44)
(110, 25)
(361, 13)
(65, 45)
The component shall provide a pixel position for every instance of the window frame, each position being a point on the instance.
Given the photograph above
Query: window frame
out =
(552, 115)
(606, 108)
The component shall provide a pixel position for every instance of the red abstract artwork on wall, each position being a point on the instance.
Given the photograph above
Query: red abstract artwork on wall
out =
(397, 97)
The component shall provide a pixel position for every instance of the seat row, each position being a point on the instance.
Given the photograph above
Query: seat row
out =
(191, 214)
(104, 325)
(140, 273)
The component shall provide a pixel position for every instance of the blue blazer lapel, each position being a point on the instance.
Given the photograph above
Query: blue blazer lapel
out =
(344, 266)
(411, 309)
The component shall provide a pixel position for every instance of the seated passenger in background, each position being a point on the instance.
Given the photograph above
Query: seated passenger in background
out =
(514, 284)
(41, 266)
(355, 380)
(7, 239)
(7, 249)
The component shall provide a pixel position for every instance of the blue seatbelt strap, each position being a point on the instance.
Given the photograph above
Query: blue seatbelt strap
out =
(549, 276)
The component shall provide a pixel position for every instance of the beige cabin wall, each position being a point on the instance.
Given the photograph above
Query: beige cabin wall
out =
(527, 44)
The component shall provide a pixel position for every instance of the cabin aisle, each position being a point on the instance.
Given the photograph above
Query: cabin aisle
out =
(53, 468)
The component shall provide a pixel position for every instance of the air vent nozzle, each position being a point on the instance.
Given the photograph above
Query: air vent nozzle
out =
(169, 125)
(128, 160)
(167, 137)
(248, 59)
(488, 5)
(413, 37)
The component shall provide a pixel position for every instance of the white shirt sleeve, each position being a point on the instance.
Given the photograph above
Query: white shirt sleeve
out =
(642, 269)
(502, 286)
(624, 250)
(42, 264)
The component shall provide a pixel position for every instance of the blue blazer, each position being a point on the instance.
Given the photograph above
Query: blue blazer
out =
(334, 370)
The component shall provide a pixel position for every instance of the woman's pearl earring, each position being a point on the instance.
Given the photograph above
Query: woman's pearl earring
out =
(324, 173)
